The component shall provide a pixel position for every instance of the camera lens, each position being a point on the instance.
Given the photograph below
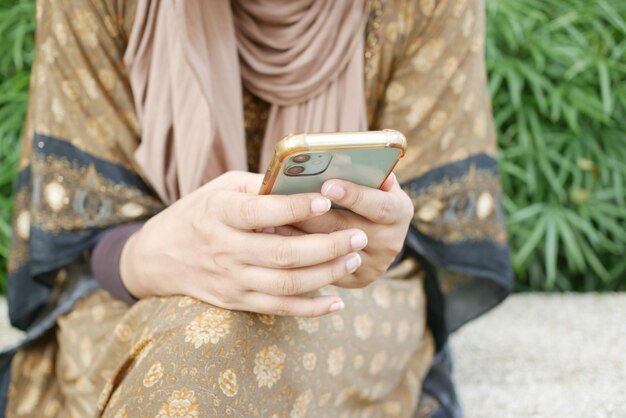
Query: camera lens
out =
(302, 158)
(294, 170)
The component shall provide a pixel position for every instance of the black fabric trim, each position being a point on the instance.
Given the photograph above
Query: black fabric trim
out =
(6, 360)
(29, 285)
(111, 171)
(23, 178)
(49, 252)
(435, 305)
(486, 260)
(439, 385)
(454, 170)
(26, 297)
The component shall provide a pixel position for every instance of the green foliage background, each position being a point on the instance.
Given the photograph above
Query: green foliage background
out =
(558, 80)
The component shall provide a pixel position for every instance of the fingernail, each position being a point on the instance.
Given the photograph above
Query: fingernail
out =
(269, 230)
(320, 205)
(353, 262)
(335, 191)
(337, 306)
(358, 241)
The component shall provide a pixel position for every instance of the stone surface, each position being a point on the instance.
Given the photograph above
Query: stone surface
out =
(545, 356)
(8, 335)
(535, 356)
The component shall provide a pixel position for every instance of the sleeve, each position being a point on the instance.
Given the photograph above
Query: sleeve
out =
(77, 176)
(105, 260)
(438, 96)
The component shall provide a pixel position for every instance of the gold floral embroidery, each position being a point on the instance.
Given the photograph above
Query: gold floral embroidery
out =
(363, 326)
(58, 110)
(80, 197)
(121, 413)
(403, 330)
(378, 362)
(186, 301)
(49, 51)
(153, 375)
(105, 394)
(358, 361)
(309, 360)
(336, 360)
(414, 299)
(382, 295)
(210, 327)
(86, 26)
(395, 91)
(460, 209)
(123, 332)
(268, 365)
(418, 110)
(385, 328)
(323, 399)
(180, 404)
(266, 319)
(52, 408)
(301, 405)
(337, 322)
(310, 325)
(429, 54)
(228, 382)
(29, 401)
(427, 7)
(22, 225)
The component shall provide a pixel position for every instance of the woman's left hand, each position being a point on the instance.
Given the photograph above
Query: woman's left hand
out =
(383, 214)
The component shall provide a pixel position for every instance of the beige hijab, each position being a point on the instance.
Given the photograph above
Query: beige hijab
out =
(187, 60)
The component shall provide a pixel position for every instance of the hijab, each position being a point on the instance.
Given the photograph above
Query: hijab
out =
(188, 59)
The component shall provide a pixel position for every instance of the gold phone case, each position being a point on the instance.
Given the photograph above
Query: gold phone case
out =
(366, 158)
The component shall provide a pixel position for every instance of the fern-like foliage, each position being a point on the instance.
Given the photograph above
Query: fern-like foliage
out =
(558, 80)
(17, 27)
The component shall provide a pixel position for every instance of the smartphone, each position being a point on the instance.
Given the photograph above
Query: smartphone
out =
(303, 162)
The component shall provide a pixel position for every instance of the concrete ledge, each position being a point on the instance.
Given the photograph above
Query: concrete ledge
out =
(535, 356)
(545, 356)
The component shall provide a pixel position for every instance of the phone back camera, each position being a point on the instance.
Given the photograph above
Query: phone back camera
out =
(308, 164)
(294, 170)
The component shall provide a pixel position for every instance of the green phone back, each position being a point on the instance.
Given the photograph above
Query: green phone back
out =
(365, 166)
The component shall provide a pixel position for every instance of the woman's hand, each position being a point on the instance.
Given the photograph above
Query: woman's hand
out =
(384, 215)
(205, 246)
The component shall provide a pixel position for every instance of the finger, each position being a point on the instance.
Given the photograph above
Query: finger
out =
(276, 251)
(285, 231)
(366, 275)
(292, 282)
(332, 221)
(302, 306)
(289, 231)
(245, 211)
(389, 182)
(376, 205)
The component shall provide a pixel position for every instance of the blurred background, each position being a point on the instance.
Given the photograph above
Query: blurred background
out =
(557, 71)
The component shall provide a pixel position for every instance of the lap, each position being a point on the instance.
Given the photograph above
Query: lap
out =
(163, 354)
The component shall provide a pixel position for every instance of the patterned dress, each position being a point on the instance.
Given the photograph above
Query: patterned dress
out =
(87, 354)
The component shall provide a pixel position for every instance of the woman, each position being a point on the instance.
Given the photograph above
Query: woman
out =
(217, 305)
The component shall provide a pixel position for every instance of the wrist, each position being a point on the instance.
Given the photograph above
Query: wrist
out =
(129, 269)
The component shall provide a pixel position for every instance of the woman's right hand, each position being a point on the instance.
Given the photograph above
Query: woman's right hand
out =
(206, 246)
